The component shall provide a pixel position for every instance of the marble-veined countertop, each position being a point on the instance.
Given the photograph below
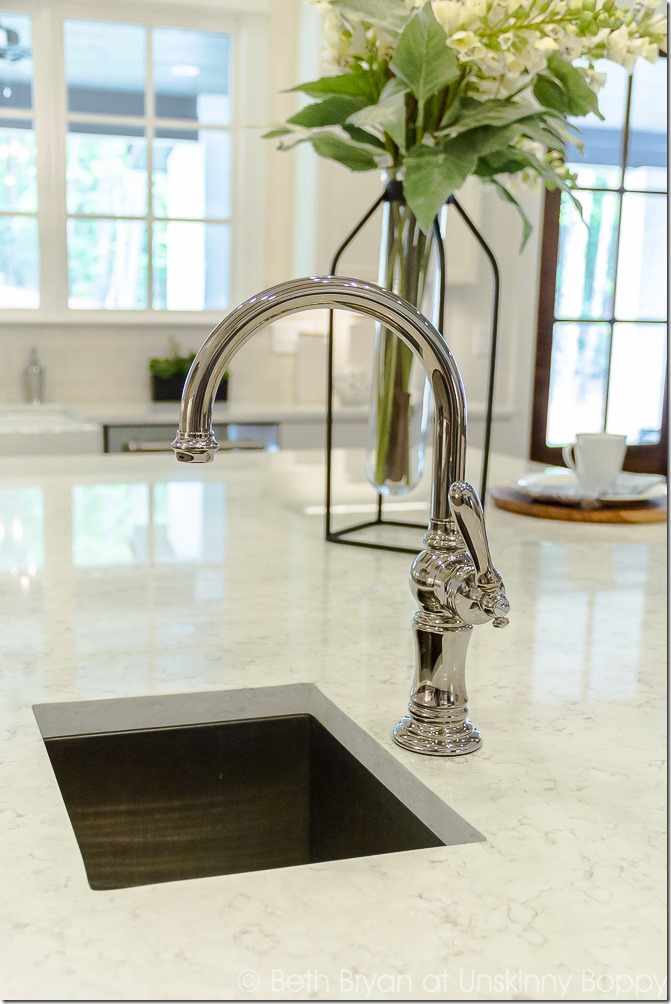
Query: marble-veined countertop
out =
(124, 576)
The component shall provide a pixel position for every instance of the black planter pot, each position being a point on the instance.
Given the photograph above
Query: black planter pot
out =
(171, 390)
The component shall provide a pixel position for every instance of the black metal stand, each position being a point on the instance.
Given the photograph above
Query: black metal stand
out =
(343, 536)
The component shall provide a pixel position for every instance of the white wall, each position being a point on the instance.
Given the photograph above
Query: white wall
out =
(309, 205)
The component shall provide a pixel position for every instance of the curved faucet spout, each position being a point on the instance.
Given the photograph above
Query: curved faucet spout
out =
(195, 439)
(453, 578)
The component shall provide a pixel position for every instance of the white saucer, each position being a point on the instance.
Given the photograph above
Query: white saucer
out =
(555, 484)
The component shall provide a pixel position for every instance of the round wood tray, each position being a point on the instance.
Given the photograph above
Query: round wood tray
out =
(650, 511)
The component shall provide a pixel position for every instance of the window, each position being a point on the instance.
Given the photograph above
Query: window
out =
(19, 241)
(601, 351)
(120, 152)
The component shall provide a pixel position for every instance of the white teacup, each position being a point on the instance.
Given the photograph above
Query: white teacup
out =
(596, 458)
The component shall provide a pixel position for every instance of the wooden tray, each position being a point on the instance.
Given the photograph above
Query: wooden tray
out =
(650, 511)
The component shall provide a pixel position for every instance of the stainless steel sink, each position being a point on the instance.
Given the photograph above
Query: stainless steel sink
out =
(164, 803)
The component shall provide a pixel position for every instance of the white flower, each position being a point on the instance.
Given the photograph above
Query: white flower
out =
(336, 43)
(617, 44)
(531, 146)
(657, 26)
(596, 80)
(467, 44)
(452, 14)
(448, 14)
(571, 46)
(546, 44)
(515, 67)
(385, 44)
(645, 48)
(358, 44)
(498, 12)
(493, 63)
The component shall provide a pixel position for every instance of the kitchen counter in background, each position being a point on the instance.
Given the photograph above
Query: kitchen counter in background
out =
(128, 576)
(111, 427)
(45, 429)
(289, 427)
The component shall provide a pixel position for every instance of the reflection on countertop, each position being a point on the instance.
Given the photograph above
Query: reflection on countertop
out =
(133, 576)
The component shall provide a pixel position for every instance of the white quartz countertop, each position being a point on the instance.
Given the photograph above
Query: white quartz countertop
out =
(124, 576)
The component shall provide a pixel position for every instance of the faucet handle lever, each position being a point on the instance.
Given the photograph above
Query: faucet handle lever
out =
(467, 512)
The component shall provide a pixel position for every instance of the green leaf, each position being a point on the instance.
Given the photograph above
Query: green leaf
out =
(526, 223)
(551, 94)
(508, 161)
(356, 158)
(551, 137)
(581, 98)
(274, 133)
(356, 83)
(388, 115)
(431, 175)
(332, 111)
(489, 139)
(363, 137)
(422, 59)
(494, 112)
(390, 15)
(566, 90)
(511, 160)
(552, 179)
(451, 115)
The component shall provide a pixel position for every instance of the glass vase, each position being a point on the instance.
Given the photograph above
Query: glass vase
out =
(400, 393)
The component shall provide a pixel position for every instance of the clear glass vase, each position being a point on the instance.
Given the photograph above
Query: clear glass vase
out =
(400, 395)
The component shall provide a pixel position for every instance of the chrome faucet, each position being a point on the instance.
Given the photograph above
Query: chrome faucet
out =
(453, 578)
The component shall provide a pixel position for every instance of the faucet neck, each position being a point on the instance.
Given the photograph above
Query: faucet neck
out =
(195, 440)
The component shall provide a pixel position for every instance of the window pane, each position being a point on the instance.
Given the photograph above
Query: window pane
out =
(638, 367)
(596, 176)
(16, 75)
(646, 159)
(642, 275)
(191, 75)
(587, 256)
(19, 262)
(192, 174)
(105, 67)
(191, 266)
(107, 264)
(106, 174)
(578, 376)
(599, 164)
(18, 169)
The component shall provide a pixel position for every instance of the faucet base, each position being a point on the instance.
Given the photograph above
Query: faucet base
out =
(436, 740)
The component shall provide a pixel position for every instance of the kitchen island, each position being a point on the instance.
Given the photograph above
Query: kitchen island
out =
(132, 576)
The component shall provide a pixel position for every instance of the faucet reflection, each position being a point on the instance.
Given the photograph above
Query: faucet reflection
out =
(453, 578)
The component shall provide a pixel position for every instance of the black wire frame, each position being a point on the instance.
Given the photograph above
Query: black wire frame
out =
(344, 535)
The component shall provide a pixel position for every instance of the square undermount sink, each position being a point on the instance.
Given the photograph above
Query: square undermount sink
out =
(173, 802)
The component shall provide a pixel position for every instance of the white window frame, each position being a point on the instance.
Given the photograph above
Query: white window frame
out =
(248, 28)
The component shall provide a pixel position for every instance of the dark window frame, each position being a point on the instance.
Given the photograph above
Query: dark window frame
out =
(648, 458)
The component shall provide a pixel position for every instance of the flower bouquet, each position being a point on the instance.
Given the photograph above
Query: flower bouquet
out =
(433, 93)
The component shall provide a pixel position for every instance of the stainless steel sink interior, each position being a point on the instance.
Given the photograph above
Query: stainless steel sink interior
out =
(165, 803)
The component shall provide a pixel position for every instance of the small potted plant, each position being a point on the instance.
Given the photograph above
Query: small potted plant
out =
(169, 373)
